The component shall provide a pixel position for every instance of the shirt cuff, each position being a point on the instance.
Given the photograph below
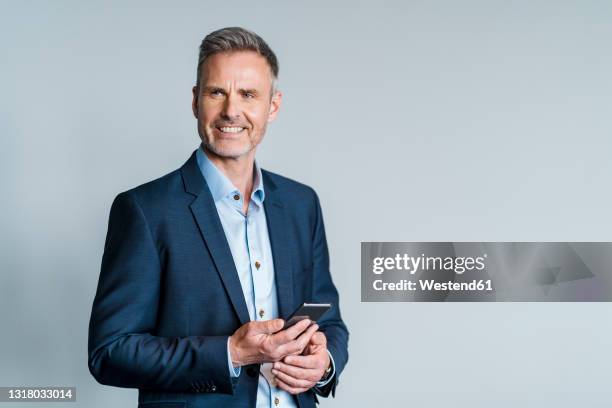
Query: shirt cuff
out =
(331, 375)
(234, 371)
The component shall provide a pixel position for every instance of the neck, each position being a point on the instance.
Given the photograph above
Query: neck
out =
(238, 170)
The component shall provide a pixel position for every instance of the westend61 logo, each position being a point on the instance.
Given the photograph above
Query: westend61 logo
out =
(413, 264)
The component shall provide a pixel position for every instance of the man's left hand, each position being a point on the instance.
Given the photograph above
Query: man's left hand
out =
(299, 373)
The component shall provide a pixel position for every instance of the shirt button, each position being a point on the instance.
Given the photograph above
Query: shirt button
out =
(257, 264)
(276, 401)
(261, 313)
(236, 197)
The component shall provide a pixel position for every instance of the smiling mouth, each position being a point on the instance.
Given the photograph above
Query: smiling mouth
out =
(230, 129)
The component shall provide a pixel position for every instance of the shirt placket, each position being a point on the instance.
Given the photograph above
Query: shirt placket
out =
(261, 295)
(256, 265)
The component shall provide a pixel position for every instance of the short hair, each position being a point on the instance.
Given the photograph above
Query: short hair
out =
(236, 39)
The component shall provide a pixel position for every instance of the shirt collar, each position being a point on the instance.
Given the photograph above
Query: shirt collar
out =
(220, 186)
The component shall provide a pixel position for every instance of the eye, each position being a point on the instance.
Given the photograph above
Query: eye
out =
(216, 92)
(248, 95)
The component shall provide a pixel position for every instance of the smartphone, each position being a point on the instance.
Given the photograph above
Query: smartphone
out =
(312, 311)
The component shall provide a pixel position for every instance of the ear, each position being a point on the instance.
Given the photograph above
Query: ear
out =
(275, 104)
(194, 101)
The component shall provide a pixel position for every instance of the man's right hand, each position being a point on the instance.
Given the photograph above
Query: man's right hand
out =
(265, 341)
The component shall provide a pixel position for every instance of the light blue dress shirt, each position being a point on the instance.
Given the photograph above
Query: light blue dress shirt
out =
(249, 242)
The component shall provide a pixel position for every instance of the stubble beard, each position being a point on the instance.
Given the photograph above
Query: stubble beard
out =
(227, 152)
(216, 146)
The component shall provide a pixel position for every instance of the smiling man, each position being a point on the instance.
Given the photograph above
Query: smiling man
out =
(202, 266)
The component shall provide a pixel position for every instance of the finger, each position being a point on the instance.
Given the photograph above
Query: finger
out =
(311, 361)
(292, 332)
(296, 346)
(269, 326)
(318, 338)
(298, 372)
(292, 381)
(313, 349)
(291, 390)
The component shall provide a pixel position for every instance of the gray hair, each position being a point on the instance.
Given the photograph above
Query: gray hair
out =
(236, 39)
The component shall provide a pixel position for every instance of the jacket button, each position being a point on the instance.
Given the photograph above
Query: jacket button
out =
(251, 372)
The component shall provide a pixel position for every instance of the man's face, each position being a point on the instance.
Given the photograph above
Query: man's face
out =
(234, 102)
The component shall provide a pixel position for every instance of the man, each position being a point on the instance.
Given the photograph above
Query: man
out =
(201, 266)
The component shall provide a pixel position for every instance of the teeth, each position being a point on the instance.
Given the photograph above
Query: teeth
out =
(231, 129)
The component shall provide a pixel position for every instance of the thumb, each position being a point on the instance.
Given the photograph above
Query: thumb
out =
(272, 326)
(318, 339)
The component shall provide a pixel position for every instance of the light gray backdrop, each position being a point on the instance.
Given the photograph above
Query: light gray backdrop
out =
(415, 121)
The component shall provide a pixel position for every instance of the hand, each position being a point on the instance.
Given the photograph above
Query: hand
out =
(264, 341)
(297, 374)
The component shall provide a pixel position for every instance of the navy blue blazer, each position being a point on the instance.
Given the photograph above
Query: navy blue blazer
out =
(169, 295)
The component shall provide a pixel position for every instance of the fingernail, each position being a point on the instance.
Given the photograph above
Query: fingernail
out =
(274, 371)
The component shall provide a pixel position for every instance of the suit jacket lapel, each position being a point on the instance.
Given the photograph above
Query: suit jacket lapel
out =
(209, 224)
(279, 241)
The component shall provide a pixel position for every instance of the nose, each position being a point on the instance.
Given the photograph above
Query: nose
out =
(231, 109)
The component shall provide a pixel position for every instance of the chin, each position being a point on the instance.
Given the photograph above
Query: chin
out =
(227, 150)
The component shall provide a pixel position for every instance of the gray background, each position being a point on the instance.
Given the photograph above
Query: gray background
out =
(415, 121)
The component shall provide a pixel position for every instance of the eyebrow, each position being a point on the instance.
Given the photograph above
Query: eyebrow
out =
(210, 88)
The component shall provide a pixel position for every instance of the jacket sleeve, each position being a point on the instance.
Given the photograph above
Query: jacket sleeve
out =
(123, 352)
(324, 291)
